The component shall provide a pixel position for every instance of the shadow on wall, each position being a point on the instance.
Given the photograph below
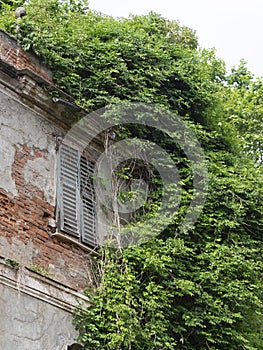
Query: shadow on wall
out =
(74, 346)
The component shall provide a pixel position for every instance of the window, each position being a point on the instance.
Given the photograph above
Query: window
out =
(76, 196)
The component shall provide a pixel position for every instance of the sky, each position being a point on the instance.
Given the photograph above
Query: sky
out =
(233, 27)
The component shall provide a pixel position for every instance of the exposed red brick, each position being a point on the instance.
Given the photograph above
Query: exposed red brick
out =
(25, 218)
(13, 54)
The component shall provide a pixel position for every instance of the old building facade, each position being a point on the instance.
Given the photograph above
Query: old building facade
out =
(45, 253)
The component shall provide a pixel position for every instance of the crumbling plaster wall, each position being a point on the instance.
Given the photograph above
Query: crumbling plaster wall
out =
(20, 127)
(28, 159)
(36, 312)
(27, 323)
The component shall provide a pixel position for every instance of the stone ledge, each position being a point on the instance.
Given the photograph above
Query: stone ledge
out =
(40, 287)
(65, 238)
(27, 91)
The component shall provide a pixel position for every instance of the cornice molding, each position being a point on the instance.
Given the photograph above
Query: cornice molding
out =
(40, 287)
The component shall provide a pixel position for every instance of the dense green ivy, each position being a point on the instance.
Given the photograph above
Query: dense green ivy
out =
(199, 290)
(173, 295)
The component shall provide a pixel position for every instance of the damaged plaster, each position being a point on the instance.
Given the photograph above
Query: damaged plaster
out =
(19, 126)
(35, 311)
(18, 251)
(40, 173)
(29, 323)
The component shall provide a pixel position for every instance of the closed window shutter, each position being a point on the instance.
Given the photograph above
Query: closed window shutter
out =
(87, 195)
(69, 203)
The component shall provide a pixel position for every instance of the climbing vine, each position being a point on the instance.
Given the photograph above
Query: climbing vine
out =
(197, 290)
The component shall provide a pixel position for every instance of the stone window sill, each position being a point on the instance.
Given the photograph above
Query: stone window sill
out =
(65, 238)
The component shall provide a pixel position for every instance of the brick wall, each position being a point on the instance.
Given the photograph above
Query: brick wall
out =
(28, 143)
(25, 223)
(12, 54)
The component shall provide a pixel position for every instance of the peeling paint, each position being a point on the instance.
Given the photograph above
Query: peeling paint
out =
(18, 251)
(19, 126)
(38, 172)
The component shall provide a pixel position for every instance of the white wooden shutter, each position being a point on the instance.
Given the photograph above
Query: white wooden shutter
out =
(88, 220)
(69, 203)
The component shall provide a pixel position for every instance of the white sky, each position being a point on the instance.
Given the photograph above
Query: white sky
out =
(234, 28)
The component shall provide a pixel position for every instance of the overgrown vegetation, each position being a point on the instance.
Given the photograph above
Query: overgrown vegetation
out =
(199, 290)
(40, 270)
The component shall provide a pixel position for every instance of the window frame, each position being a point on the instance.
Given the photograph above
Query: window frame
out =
(73, 217)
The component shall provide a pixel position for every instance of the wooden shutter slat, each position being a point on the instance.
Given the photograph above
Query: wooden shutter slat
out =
(88, 202)
(77, 197)
(70, 205)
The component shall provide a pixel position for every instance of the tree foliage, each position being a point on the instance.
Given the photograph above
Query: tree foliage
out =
(199, 290)
(243, 109)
